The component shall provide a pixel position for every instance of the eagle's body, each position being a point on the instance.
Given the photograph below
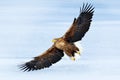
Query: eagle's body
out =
(64, 44)
(69, 48)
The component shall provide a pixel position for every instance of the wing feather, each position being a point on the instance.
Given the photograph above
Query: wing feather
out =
(80, 25)
(51, 56)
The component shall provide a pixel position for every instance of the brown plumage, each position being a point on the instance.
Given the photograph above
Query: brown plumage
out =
(65, 43)
(49, 57)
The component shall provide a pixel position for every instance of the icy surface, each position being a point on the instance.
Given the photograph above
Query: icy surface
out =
(26, 24)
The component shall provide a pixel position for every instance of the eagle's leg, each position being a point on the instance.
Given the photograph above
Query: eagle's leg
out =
(71, 54)
(76, 49)
(71, 50)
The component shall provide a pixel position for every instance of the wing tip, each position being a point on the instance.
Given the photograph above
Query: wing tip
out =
(87, 7)
(25, 68)
(28, 66)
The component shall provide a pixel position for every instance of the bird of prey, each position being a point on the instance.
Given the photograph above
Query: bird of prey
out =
(64, 44)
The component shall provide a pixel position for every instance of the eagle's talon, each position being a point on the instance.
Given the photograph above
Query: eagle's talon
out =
(78, 52)
(72, 58)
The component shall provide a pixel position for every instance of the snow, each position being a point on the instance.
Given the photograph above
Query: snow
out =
(26, 24)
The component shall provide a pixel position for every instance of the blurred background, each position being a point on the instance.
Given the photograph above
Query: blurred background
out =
(28, 26)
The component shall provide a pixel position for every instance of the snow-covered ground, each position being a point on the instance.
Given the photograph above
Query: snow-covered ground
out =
(26, 24)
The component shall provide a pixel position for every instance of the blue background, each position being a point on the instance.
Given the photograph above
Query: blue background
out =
(28, 26)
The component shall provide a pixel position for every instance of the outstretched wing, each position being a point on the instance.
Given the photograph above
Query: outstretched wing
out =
(80, 25)
(51, 56)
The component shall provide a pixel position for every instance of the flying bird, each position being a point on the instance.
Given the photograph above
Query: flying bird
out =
(64, 44)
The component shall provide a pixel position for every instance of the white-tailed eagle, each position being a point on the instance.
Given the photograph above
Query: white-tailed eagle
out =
(64, 44)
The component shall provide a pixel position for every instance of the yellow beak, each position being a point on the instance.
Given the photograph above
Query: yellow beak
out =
(53, 40)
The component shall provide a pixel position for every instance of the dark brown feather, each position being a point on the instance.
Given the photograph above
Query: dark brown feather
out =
(51, 56)
(80, 25)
